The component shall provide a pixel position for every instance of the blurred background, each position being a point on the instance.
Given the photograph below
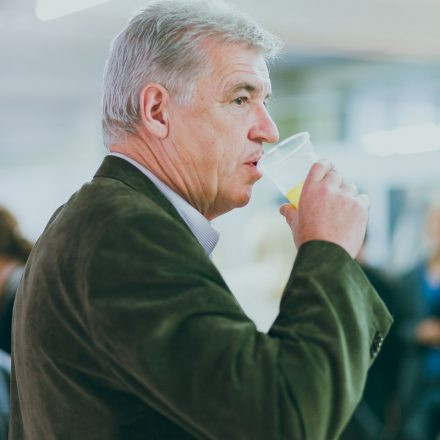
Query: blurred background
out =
(362, 77)
(354, 74)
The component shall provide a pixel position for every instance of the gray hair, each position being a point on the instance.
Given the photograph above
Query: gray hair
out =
(163, 44)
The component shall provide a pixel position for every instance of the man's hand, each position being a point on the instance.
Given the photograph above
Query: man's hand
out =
(329, 209)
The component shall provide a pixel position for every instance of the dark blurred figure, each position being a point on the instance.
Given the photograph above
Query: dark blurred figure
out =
(377, 416)
(420, 389)
(5, 375)
(14, 251)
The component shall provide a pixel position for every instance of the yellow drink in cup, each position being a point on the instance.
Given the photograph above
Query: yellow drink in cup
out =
(294, 194)
(288, 163)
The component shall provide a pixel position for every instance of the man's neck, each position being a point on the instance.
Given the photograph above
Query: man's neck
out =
(164, 163)
(140, 150)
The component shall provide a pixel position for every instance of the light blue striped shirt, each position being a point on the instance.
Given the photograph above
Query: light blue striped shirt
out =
(199, 225)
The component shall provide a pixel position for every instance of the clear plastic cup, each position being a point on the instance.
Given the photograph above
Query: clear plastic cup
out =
(288, 163)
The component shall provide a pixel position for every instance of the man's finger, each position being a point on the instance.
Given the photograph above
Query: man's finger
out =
(288, 211)
(349, 189)
(364, 200)
(333, 179)
(319, 170)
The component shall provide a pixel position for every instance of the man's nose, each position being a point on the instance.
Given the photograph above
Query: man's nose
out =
(264, 128)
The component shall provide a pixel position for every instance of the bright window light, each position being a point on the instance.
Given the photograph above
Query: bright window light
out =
(51, 9)
(406, 140)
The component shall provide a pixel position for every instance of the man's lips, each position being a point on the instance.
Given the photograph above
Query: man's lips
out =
(253, 161)
(252, 166)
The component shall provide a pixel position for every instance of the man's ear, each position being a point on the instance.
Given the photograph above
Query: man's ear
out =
(153, 104)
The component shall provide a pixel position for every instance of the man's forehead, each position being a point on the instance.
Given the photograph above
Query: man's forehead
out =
(250, 77)
(234, 66)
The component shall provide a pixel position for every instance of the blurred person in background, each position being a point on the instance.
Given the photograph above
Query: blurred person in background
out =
(14, 252)
(141, 336)
(419, 327)
(5, 375)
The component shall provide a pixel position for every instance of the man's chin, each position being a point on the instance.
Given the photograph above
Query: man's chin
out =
(244, 198)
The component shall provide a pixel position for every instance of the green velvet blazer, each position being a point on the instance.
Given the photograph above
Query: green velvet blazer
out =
(124, 329)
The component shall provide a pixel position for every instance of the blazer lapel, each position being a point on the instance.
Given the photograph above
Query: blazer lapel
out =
(114, 167)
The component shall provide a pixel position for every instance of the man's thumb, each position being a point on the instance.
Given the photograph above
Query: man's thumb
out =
(288, 211)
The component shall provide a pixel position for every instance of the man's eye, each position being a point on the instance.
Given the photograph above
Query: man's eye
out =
(241, 100)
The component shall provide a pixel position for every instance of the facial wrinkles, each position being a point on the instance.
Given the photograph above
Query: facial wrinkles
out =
(228, 78)
(206, 177)
(192, 182)
(253, 83)
(238, 73)
(183, 169)
(199, 173)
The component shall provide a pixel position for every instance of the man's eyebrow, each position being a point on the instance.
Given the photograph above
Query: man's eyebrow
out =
(248, 87)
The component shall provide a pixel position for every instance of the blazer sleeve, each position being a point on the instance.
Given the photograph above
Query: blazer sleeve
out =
(175, 336)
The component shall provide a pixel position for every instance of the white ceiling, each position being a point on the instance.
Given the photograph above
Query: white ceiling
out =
(70, 51)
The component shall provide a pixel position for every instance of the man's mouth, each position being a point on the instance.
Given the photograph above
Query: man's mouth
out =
(254, 163)
(254, 160)
(252, 166)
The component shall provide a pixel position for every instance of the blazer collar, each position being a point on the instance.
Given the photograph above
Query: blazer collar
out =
(119, 169)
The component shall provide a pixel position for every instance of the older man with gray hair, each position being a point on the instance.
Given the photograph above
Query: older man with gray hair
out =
(123, 327)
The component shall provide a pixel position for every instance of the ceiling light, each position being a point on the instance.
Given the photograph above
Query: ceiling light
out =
(405, 140)
(51, 9)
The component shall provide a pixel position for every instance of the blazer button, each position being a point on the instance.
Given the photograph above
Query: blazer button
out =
(376, 344)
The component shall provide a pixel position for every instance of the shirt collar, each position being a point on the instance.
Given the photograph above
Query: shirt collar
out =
(199, 225)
